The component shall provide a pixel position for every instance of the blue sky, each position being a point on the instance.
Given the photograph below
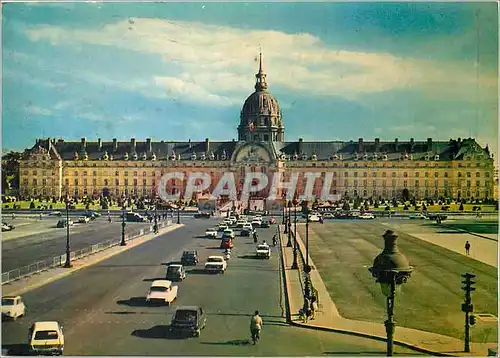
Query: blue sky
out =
(178, 71)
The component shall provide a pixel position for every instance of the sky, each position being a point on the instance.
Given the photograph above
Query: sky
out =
(179, 71)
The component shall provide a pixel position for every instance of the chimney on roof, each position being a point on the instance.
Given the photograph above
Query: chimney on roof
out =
(377, 144)
(60, 141)
(300, 146)
(207, 145)
(84, 144)
(99, 144)
(132, 144)
(360, 145)
(412, 144)
(429, 144)
(149, 147)
(396, 145)
(115, 145)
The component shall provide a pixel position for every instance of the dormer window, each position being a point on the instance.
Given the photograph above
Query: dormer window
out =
(126, 156)
(144, 156)
(75, 156)
(304, 156)
(335, 156)
(283, 156)
(356, 156)
(193, 156)
(365, 157)
(224, 156)
(295, 156)
(105, 156)
(407, 156)
(203, 156)
(212, 156)
(135, 156)
(375, 156)
(173, 156)
(314, 157)
(85, 156)
(427, 157)
(153, 157)
(178, 157)
(385, 157)
(110, 157)
(436, 157)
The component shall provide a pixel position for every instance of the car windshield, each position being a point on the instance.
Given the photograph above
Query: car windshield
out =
(159, 289)
(215, 259)
(262, 247)
(7, 301)
(211, 229)
(43, 335)
(188, 253)
(173, 269)
(189, 316)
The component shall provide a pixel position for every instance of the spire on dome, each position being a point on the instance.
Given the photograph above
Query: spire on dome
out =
(260, 84)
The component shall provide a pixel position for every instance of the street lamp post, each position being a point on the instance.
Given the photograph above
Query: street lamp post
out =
(295, 264)
(156, 217)
(178, 214)
(123, 243)
(67, 264)
(391, 269)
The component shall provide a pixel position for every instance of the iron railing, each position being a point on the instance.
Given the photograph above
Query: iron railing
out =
(59, 260)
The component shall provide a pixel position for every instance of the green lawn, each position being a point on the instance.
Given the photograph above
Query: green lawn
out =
(430, 301)
(482, 226)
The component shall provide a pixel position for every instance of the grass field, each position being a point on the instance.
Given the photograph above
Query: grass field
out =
(430, 301)
(482, 226)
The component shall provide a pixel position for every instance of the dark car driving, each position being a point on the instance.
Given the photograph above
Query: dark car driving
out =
(188, 320)
(189, 258)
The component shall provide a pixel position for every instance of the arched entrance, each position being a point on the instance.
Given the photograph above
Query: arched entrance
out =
(105, 192)
(406, 194)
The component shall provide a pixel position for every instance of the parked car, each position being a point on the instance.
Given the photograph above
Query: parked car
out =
(272, 221)
(175, 272)
(7, 227)
(328, 215)
(263, 252)
(13, 307)
(211, 233)
(135, 217)
(314, 218)
(189, 258)
(256, 223)
(215, 264)
(248, 226)
(46, 338)
(64, 223)
(367, 216)
(55, 213)
(188, 320)
(162, 291)
(83, 219)
(202, 216)
(417, 216)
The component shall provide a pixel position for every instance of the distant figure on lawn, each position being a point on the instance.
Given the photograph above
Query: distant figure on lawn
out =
(467, 247)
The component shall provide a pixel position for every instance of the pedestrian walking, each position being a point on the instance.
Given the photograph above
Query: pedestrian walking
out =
(467, 247)
(314, 307)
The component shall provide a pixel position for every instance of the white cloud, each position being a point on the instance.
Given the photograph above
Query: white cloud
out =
(217, 62)
(39, 111)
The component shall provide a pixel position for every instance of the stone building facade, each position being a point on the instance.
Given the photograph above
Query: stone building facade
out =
(458, 168)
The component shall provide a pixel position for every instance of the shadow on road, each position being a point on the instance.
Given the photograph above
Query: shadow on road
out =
(153, 279)
(197, 271)
(16, 349)
(214, 248)
(159, 331)
(234, 342)
(134, 302)
(249, 257)
(243, 315)
(368, 353)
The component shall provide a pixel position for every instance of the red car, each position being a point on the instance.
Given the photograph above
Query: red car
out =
(226, 243)
(272, 221)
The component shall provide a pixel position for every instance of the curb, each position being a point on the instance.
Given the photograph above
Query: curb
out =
(80, 267)
(345, 331)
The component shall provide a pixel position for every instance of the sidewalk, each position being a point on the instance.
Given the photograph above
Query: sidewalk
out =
(37, 280)
(329, 319)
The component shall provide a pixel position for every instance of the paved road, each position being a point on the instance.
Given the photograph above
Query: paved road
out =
(103, 311)
(26, 250)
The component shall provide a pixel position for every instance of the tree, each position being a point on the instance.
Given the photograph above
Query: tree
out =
(32, 205)
(461, 208)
